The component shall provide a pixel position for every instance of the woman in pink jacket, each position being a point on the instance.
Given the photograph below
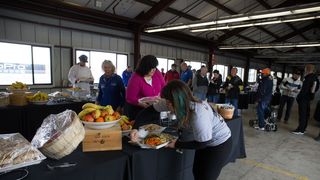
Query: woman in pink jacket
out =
(147, 81)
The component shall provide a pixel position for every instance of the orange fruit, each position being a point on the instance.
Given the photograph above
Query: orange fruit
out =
(100, 119)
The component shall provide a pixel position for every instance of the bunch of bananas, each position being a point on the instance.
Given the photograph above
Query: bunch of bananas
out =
(96, 113)
(18, 85)
(39, 96)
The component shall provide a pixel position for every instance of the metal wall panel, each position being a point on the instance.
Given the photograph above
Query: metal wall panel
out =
(66, 38)
(13, 30)
(76, 38)
(28, 32)
(96, 41)
(42, 34)
(54, 35)
(105, 42)
(121, 45)
(86, 40)
(113, 44)
(2, 29)
(56, 68)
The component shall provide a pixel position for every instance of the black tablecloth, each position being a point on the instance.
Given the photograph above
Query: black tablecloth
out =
(27, 119)
(242, 103)
(112, 165)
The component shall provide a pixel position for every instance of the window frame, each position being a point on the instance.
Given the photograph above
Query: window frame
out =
(75, 49)
(51, 48)
(256, 74)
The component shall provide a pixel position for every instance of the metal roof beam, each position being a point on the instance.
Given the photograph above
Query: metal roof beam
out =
(154, 11)
(170, 10)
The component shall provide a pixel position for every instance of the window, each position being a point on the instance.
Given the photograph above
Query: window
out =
(29, 64)
(96, 58)
(240, 72)
(163, 63)
(290, 75)
(223, 70)
(252, 75)
(285, 75)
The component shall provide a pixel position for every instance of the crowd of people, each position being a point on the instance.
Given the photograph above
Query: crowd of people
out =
(187, 95)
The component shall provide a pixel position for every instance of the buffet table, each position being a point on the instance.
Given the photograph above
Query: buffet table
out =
(132, 163)
(27, 119)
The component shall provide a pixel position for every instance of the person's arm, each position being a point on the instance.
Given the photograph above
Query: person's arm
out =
(194, 83)
(99, 97)
(72, 75)
(190, 75)
(283, 84)
(122, 90)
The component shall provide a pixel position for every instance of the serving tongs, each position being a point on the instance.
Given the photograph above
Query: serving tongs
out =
(63, 165)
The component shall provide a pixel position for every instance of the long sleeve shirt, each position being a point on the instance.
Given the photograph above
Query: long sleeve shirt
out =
(111, 91)
(139, 88)
(237, 85)
(125, 77)
(308, 87)
(264, 92)
(214, 86)
(200, 84)
(77, 72)
(290, 87)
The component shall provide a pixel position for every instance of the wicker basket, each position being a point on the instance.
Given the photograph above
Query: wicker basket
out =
(65, 143)
(4, 99)
(227, 114)
(18, 99)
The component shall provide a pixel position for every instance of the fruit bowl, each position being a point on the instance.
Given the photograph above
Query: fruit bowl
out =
(100, 125)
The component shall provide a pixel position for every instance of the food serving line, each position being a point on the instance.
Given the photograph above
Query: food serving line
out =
(131, 162)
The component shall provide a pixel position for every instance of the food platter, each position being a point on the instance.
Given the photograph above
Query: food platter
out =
(149, 100)
(155, 141)
(153, 128)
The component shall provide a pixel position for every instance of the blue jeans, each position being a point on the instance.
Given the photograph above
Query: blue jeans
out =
(214, 98)
(200, 96)
(234, 103)
(261, 109)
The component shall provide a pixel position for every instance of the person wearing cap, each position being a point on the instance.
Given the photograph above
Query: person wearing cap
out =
(214, 86)
(264, 95)
(80, 75)
(233, 85)
(290, 89)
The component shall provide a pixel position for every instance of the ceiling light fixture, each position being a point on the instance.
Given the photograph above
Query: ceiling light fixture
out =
(307, 8)
(259, 23)
(266, 46)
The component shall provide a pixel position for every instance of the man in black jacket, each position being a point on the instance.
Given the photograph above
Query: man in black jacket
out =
(304, 98)
(214, 87)
(264, 96)
(233, 86)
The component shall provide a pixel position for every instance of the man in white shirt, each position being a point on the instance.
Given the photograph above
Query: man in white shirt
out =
(80, 75)
(290, 87)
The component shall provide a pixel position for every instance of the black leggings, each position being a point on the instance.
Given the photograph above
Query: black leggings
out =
(209, 161)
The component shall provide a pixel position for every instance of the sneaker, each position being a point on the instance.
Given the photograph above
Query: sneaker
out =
(258, 128)
(297, 132)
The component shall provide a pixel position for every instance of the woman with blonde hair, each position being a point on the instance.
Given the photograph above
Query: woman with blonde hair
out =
(111, 88)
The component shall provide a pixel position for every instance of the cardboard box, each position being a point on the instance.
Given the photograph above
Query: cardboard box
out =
(102, 140)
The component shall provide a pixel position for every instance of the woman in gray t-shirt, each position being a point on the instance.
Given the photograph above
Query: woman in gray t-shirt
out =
(202, 129)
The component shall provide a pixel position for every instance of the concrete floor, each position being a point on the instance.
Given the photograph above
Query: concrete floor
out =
(277, 155)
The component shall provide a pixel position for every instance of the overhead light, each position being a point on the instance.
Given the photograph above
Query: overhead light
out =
(259, 23)
(266, 46)
(307, 8)
(270, 15)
